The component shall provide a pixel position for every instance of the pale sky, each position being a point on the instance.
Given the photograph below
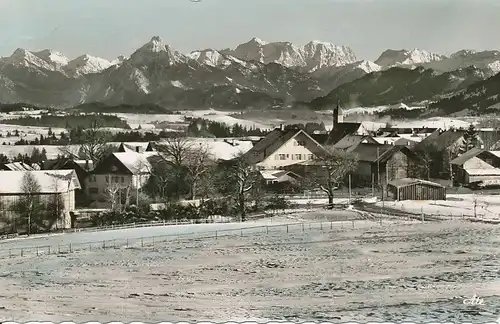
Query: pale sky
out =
(109, 28)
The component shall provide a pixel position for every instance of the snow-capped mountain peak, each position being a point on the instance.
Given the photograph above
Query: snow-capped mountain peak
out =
(368, 66)
(23, 57)
(87, 64)
(310, 57)
(156, 49)
(57, 59)
(258, 41)
(407, 57)
(464, 52)
(212, 58)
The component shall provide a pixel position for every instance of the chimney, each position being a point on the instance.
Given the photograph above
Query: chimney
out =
(281, 127)
(137, 149)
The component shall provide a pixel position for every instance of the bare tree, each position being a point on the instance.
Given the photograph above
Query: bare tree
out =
(29, 205)
(330, 169)
(94, 146)
(189, 160)
(113, 194)
(198, 162)
(240, 179)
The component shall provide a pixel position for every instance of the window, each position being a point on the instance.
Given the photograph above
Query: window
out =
(92, 178)
(282, 156)
(123, 179)
(93, 190)
(310, 157)
(298, 156)
(301, 143)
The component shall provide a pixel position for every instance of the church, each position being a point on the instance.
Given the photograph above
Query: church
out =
(339, 130)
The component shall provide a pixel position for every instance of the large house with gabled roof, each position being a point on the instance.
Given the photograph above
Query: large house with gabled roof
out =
(282, 148)
(119, 170)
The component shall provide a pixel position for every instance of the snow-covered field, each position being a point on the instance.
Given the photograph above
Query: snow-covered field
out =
(486, 206)
(394, 272)
(82, 239)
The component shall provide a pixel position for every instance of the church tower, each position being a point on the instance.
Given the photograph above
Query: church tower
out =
(338, 116)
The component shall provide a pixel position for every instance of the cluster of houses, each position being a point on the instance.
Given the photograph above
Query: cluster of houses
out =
(385, 159)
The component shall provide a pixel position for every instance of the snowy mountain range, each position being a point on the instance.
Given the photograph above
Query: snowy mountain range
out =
(255, 74)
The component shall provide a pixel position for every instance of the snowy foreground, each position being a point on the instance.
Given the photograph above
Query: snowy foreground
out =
(342, 271)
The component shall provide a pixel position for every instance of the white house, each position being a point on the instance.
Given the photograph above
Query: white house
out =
(62, 183)
(282, 148)
(119, 170)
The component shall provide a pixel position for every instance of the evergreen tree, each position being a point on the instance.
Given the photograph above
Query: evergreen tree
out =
(471, 139)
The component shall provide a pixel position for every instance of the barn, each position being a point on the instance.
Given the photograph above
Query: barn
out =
(416, 189)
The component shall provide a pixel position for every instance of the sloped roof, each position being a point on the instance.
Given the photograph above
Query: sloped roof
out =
(410, 181)
(340, 130)
(50, 181)
(352, 140)
(277, 138)
(18, 166)
(372, 152)
(135, 162)
(441, 140)
(460, 160)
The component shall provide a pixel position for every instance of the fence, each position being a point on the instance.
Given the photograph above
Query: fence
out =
(145, 241)
(148, 241)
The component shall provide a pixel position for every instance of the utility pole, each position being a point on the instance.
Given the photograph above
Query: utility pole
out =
(349, 188)
(373, 184)
(451, 168)
(378, 170)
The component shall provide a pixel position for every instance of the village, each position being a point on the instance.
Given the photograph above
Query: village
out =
(103, 183)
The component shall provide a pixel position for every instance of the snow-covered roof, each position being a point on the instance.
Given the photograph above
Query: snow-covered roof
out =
(135, 162)
(50, 181)
(18, 166)
(222, 149)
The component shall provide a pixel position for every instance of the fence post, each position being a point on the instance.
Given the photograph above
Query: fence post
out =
(90, 246)
(127, 243)
(114, 243)
(10, 253)
(331, 225)
(104, 244)
(49, 249)
(153, 241)
(353, 223)
(22, 252)
(302, 227)
(142, 242)
(37, 251)
(267, 230)
(58, 248)
(287, 228)
(321, 226)
(309, 226)
(241, 233)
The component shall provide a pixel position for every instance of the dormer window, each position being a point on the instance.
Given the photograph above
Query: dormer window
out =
(301, 143)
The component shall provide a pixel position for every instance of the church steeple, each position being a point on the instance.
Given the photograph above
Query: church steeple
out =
(336, 112)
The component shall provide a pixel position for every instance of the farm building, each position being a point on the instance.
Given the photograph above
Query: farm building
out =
(45, 186)
(416, 189)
